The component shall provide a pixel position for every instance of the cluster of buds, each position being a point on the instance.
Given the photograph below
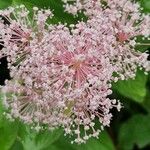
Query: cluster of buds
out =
(61, 75)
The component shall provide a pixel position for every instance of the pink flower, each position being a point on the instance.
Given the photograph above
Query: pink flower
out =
(61, 76)
(19, 31)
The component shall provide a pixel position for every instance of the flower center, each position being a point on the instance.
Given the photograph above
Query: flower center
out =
(122, 36)
(77, 64)
(77, 61)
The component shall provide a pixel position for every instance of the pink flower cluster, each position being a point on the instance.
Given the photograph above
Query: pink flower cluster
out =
(61, 75)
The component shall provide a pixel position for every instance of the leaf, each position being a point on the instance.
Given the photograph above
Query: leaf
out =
(142, 48)
(103, 143)
(146, 103)
(46, 138)
(133, 89)
(8, 133)
(31, 139)
(146, 6)
(17, 146)
(135, 131)
(55, 5)
(5, 3)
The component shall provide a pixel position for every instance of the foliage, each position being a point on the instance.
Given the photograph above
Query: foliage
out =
(132, 132)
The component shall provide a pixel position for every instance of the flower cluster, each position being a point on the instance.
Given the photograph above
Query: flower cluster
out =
(123, 22)
(60, 75)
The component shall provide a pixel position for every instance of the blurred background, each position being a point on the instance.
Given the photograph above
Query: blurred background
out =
(130, 128)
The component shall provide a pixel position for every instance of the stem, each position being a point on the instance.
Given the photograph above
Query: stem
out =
(146, 44)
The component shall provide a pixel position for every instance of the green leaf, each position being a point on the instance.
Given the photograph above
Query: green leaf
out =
(46, 138)
(31, 139)
(8, 133)
(103, 143)
(135, 131)
(146, 6)
(133, 89)
(146, 103)
(5, 3)
(55, 5)
(142, 48)
(17, 146)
